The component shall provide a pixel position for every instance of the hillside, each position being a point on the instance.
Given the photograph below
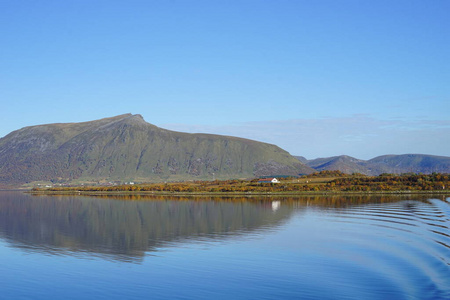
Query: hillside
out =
(343, 163)
(396, 164)
(416, 163)
(127, 148)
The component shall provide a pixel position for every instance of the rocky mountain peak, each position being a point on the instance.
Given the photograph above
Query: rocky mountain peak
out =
(126, 147)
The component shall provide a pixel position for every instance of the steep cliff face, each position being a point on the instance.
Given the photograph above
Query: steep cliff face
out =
(126, 147)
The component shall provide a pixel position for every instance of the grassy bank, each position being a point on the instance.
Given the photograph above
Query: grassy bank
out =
(325, 182)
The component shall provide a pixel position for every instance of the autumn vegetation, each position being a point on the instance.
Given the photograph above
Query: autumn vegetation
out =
(324, 181)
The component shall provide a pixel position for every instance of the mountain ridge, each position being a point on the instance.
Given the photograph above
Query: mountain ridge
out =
(126, 147)
(391, 163)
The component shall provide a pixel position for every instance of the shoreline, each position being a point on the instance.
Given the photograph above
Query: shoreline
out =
(290, 194)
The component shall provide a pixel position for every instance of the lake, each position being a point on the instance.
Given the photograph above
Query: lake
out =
(164, 247)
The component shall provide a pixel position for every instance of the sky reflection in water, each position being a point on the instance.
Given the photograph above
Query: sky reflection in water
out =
(314, 247)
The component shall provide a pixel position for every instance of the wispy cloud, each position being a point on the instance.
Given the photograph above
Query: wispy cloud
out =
(361, 136)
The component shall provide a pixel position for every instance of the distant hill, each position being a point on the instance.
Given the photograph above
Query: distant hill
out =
(128, 148)
(417, 163)
(343, 163)
(302, 159)
(406, 163)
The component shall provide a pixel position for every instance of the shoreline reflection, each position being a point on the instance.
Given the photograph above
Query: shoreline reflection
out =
(128, 227)
(125, 230)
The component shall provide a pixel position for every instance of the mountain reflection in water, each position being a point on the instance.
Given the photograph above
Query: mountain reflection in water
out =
(315, 247)
(125, 230)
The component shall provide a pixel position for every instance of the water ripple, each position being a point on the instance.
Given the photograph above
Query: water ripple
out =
(412, 238)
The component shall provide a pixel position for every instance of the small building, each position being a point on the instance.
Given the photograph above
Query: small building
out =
(268, 180)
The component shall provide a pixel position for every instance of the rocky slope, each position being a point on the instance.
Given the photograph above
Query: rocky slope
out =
(127, 148)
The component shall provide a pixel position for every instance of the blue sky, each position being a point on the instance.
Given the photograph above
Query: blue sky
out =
(318, 78)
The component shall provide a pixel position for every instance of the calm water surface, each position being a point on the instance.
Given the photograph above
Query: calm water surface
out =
(76, 247)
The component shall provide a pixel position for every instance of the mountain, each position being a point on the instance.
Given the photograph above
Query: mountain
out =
(406, 163)
(302, 159)
(417, 163)
(343, 163)
(127, 148)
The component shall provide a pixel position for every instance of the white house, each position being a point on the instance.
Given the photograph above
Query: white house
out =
(269, 180)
